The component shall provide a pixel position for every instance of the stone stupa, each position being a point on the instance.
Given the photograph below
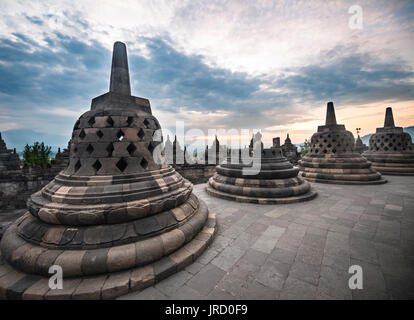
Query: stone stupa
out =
(391, 150)
(290, 151)
(359, 145)
(276, 182)
(9, 159)
(332, 157)
(115, 220)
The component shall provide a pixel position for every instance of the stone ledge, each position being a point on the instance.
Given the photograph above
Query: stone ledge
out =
(300, 198)
(18, 285)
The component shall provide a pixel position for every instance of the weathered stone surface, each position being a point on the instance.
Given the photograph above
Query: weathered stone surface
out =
(115, 219)
(332, 157)
(391, 150)
(269, 179)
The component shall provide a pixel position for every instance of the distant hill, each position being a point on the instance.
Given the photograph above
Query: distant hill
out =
(18, 138)
(410, 130)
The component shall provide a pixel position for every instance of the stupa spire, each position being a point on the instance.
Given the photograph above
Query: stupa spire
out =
(330, 114)
(119, 71)
(389, 118)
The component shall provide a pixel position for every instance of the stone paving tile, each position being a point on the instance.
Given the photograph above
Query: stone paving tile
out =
(187, 293)
(305, 272)
(172, 284)
(268, 239)
(295, 289)
(255, 257)
(303, 250)
(195, 267)
(205, 281)
(258, 291)
(283, 255)
(228, 257)
(207, 256)
(273, 274)
(149, 293)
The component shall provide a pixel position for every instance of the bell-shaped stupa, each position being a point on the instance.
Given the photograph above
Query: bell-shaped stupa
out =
(274, 181)
(332, 157)
(116, 219)
(391, 150)
(9, 159)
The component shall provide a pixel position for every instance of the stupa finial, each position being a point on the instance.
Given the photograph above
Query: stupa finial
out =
(330, 114)
(389, 118)
(119, 71)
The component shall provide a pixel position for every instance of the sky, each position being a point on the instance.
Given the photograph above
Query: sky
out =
(269, 65)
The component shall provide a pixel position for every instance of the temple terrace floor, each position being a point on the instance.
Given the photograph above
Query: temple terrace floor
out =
(304, 250)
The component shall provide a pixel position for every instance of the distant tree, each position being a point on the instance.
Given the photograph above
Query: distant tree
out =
(305, 148)
(36, 155)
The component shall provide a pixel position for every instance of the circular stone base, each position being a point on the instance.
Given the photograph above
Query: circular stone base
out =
(350, 182)
(305, 197)
(15, 284)
(395, 171)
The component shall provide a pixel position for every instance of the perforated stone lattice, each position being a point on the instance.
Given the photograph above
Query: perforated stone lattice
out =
(331, 142)
(120, 138)
(389, 142)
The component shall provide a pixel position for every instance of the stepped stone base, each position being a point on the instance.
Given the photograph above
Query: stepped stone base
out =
(398, 164)
(336, 179)
(258, 200)
(15, 284)
(394, 171)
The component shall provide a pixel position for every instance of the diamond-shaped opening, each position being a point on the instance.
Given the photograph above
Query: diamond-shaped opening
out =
(110, 121)
(89, 149)
(141, 133)
(82, 134)
(121, 164)
(110, 149)
(120, 135)
(334, 150)
(78, 165)
(76, 127)
(150, 148)
(99, 133)
(147, 123)
(97, 165)
(91, 121)
(130, 120)
(131, 148)
(144, 163)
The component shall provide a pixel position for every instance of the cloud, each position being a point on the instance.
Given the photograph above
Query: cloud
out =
(212, 64)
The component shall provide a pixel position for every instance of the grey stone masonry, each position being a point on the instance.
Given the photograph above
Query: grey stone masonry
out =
(332, 157)
(268, 179)
(391, 150)
(117, 219)
(304, 250)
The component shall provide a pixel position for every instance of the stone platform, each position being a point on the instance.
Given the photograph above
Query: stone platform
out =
(298, 251)
(304, 250)
(16, 285)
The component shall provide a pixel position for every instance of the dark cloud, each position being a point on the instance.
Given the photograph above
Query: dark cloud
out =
(35, 20)
(186, 79)
(31, 77)
(42, 75)
(351, 77)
